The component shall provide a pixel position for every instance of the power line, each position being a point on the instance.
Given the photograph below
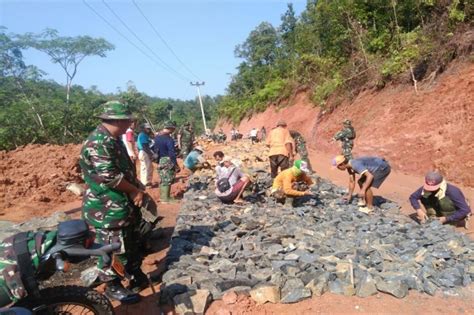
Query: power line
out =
(164, 41)
(122, 35)
(143, 43)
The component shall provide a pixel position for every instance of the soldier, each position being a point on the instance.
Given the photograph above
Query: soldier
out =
(186, 139)
(112, 201)
(221, 137)
(300, 148)
(346, 136)
(167, 164)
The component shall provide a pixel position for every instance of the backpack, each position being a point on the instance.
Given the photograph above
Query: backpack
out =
(223, 184)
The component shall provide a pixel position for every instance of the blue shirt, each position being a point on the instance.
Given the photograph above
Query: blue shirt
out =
(143, 140)
(192, 160)
(368, 163)
(453, 193)
(164, 147)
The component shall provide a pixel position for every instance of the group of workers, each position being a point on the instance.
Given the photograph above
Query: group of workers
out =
(114, 195)
(435, 199)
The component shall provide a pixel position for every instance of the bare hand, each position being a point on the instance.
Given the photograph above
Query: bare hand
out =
(442, 220)
(137, 198)
(421, 216)
(308, 193)
(347, 198)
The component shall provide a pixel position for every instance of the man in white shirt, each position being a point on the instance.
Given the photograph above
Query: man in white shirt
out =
(253, 135)
(234, 178)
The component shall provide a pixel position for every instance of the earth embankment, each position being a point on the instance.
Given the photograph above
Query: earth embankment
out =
(431, 128)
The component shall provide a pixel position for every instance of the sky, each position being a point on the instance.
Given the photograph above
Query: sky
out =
(202, 33)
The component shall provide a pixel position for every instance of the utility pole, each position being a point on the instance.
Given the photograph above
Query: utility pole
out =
(197, 85)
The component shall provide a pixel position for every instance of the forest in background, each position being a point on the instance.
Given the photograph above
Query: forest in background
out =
(337, 47)
(36, 110)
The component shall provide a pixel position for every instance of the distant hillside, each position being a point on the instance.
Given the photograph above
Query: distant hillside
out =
(337, 48)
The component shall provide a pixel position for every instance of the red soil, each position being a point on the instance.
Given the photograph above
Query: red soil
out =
(414, 131)
(33, 179)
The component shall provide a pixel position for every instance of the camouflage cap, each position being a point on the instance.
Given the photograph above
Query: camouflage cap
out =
(169, 125)
(115, 110)
(347, 122)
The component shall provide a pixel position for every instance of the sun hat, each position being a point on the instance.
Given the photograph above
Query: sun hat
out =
(338, 160)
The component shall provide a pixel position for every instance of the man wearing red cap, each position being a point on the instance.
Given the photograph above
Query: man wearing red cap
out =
(439, 199)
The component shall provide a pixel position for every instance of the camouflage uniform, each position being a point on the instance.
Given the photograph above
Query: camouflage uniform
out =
(186, 140)
(166, 170)
(300, 147)
(11, 284)
(104, 162)
(346, 136)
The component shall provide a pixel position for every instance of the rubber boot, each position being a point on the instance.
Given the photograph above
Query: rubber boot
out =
(139, 281)
(165, 195)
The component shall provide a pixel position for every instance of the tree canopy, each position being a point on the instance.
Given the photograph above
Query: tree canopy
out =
(340, 45)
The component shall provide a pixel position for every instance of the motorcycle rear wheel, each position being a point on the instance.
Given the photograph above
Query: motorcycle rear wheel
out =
(69, 300)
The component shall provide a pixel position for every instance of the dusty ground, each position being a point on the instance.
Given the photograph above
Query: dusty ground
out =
(414, 131)
(396, 187)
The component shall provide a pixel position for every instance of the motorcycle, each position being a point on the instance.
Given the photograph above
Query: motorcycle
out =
(74, 243)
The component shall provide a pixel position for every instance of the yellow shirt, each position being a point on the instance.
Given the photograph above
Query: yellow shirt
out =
(285, 180)
(277, 139)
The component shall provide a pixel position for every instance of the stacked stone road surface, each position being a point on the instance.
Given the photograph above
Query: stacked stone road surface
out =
(283, 255)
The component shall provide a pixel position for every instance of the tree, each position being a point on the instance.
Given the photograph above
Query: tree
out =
(67, 51)
(260, 48)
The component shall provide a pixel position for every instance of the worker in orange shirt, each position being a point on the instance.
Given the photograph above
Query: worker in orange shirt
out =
(281, 148)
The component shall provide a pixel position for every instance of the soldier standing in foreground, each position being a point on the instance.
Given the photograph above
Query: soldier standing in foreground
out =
(112, 201)
(346, 136)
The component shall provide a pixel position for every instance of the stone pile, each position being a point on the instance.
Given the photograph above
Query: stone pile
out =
(286, 254)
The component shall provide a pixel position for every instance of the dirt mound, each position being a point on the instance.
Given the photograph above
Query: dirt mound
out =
(37, 174)
(414, 131)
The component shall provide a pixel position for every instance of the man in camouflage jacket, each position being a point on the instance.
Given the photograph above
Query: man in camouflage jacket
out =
(300, 147)
(114, 195)
(186, 139)
(346, 136)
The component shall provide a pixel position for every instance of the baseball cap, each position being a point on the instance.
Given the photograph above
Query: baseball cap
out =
(199, 148)
(146, 126)
(281, 123)
(432, 181)
(301, 165)
(338, 160)
(227, 159)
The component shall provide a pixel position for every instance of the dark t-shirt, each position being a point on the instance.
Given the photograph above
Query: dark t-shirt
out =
(369, 163)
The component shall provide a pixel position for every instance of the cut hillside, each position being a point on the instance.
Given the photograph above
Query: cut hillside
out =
(414, 131)
(33, 178)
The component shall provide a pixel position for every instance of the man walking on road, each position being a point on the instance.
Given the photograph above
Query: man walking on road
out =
(281, 148)
(145, 155)
(112, 201)
(346, 136)
(441, 200)
(372, 170)
(164, 147)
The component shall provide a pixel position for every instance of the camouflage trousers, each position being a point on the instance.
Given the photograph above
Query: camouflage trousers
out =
(185, 149)
(166, 170)
(303, 152)
(347, 149)
(131, 251)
